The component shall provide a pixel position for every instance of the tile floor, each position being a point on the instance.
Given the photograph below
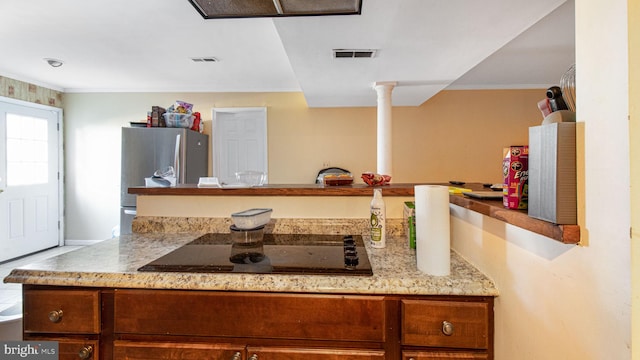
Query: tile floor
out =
(11, 293)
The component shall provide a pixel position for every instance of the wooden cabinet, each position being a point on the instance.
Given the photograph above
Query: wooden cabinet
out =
(62, 312)
(259, 315)
(451, 324)
(287, 353)
(443, 355)
(134, 324)
(447, 324)
(140, 350)
(49, 314)
(144, 350)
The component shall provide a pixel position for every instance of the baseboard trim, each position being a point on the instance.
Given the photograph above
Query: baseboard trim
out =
(69, 242)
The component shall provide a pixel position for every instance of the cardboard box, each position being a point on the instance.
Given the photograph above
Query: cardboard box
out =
(157, 120)
(515, 170)
(409, 215)
(552, 173)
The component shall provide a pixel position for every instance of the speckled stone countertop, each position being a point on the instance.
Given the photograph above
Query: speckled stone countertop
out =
(112, 263)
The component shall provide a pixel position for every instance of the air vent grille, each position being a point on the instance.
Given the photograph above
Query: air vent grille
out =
(204, 59)
(353, 53)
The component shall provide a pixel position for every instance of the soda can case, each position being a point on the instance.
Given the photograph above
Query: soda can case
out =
(515, 171)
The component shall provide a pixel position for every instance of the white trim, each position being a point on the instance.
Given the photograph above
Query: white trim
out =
(70, 242)
(497, 86)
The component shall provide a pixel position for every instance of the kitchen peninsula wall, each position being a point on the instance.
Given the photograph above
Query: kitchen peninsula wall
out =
(190, 208)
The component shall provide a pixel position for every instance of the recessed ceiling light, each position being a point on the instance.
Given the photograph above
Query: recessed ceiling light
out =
(54, 62)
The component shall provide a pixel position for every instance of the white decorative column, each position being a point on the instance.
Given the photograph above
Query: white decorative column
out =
(384, 134)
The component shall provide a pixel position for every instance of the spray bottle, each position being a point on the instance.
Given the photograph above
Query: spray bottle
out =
(377, 220)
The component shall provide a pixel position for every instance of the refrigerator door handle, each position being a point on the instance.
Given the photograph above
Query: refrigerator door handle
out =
(176, 159)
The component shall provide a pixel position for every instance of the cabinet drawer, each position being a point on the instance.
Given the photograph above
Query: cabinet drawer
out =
(279, 316)
(132, 350)
(280, 353)
(71, 349)
(62, 311)
(443, 355)
(453, 324)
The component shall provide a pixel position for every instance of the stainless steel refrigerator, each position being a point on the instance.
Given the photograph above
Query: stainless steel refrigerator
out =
(145, 150)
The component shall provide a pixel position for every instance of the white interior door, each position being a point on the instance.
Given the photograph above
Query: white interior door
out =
(239, 142)
(29, 185)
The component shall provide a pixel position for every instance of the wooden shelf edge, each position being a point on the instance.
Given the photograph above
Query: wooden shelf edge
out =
(566, 234)
(279, 190)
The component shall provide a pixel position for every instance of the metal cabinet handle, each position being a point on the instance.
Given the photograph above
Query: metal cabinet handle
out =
(447, 328)
(86, 352)
(237, 356)
(254, 357)
(55, 316)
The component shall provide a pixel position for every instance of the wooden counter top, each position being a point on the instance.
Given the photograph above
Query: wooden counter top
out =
(568, 234)
(279, 190)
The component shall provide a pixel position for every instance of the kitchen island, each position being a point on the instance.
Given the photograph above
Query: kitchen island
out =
(95, 302)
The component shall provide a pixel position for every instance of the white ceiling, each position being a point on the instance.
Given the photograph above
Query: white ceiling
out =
(423, 45)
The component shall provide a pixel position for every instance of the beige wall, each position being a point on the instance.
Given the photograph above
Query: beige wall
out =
(455, 135)
(634, 117)
(564, 301)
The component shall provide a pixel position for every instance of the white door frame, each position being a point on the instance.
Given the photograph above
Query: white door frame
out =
(58, 114)
(214, 132)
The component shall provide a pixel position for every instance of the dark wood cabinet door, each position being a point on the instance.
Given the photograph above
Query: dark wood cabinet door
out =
(443, 355)
(134, 350)
(285, 353)
(250, 315)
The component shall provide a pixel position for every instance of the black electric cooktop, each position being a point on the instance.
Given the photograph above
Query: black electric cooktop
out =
(307, 254)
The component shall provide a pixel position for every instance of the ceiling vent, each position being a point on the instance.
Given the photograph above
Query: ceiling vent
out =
(353, 53)
(204, 59)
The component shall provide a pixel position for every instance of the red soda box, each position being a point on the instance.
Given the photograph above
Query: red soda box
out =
(515, 170)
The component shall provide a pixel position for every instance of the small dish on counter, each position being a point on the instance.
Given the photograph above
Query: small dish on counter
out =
(252, 218)
(337, 179)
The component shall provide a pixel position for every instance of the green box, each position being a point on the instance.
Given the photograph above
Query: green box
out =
(409, 221)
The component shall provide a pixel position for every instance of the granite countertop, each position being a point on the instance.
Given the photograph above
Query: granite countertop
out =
(113, 263)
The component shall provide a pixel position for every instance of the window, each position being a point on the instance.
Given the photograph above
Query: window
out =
(27, 150)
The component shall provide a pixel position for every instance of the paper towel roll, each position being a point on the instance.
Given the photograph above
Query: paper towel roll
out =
(433, 241)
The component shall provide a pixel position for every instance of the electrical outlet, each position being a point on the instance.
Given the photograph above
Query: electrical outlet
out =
(326, 164)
